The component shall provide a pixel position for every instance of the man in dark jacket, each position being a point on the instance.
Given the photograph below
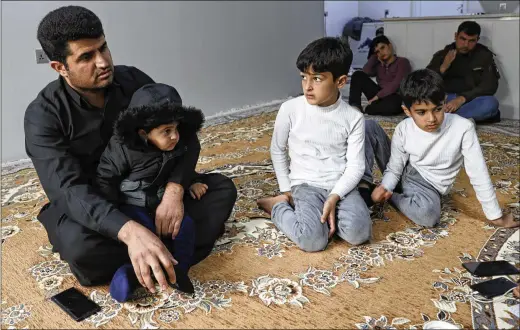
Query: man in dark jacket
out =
(470, 75)
(67, 128)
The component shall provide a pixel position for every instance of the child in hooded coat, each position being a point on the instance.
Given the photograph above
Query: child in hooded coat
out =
(155, 142)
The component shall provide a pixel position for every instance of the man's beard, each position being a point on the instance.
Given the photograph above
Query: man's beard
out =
(89, 89)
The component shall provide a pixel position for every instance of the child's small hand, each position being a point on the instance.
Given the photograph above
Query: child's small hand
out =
(197, 190)
(380, 194)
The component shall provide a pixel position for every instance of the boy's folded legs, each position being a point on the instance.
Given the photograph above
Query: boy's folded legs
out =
(419, 201)
(302, 225)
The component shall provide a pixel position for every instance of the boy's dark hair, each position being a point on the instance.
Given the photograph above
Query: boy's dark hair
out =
(422, 85)
(471, 28)
(131, 120)
(381, 39)
(326, 54)
(69, 23)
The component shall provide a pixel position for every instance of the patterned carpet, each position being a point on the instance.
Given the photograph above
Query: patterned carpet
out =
(256, 278)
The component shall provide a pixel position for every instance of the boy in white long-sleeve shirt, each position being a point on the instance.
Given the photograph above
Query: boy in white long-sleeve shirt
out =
(427, 152)
(317, 150)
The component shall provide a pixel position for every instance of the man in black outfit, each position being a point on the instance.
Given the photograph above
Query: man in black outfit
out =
(68, 126)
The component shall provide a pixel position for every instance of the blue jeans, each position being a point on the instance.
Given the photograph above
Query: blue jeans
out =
(480, 108)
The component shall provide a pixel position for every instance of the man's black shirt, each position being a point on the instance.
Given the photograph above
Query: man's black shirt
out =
(65, 137)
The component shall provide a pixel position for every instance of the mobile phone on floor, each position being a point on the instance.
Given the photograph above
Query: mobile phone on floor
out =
(76, 304)
(490, 268)
(493, 288)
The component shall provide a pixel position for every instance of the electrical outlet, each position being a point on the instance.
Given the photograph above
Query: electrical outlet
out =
(41, 58)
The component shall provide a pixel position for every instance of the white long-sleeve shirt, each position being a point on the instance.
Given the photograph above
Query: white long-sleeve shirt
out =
(321, 146)
(439, 156)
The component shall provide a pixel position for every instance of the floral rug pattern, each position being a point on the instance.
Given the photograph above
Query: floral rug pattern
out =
(250, 168)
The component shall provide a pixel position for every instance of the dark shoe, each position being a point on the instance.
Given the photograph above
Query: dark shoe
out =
(183, 283)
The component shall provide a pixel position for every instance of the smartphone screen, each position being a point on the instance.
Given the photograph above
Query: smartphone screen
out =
(491, 268)
(77, 305)
(494, 288)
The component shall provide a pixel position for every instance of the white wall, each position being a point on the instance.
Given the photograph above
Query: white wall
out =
(376, 9)
(218, 54)
(474, 6)
(438, 8)
(338, 14)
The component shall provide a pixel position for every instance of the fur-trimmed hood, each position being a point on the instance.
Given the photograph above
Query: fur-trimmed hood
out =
(151, 106)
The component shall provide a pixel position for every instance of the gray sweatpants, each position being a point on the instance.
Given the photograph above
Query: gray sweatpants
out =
(418, 200)
(302, 224)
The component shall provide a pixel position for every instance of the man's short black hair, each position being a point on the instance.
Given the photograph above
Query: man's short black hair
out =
(328, 54)
(471, 28)
(422, 86)
(69, 23)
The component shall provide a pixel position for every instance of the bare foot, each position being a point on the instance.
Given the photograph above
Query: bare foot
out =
(507, 221)
(268, 203)
(516, 291)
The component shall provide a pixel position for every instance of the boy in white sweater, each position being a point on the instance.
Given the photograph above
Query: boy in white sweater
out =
(427, 152)
(317, 150)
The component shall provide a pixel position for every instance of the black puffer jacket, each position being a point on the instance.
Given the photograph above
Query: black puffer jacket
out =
(132, 172)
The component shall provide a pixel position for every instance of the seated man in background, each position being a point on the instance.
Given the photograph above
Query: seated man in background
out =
(389, 70)
(470, 75)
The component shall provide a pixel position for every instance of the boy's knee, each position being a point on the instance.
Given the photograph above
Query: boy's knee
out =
(427, 216)
(312, 243)
(371, 125)
(357, 75)
(355, 236)
(354, 229)
(373, 129)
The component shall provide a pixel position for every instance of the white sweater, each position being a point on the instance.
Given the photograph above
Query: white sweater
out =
(439, 156)
(326, 146)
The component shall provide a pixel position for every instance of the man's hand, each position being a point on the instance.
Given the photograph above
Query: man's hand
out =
(329, 213)
(147, 251)
(197, 190)
(506, 221)
(380, 194)
(448, 59)
(454, 104)
(375, 98)
(169, 213)
(291, 200)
